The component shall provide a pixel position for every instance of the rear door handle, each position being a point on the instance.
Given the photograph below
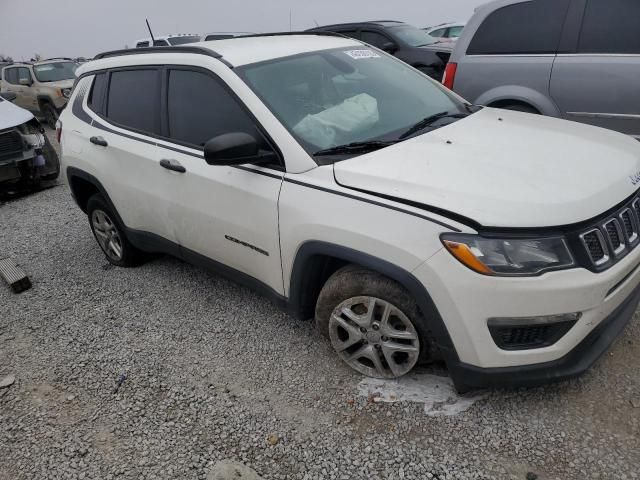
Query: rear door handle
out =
(98, 141)
(172, 165)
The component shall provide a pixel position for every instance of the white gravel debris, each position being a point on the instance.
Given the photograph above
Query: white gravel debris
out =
(437, 393)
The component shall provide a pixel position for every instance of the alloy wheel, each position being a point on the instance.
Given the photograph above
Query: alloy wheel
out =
(107, 235)
(374, 337)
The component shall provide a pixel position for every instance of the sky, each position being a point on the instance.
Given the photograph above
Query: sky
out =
(72, 28)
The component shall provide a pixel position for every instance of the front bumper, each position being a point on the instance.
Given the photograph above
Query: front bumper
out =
(467, 300)
(573, 364)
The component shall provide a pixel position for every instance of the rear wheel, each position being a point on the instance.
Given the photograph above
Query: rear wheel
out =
(110, 234)
(373, 324)
(50, 115)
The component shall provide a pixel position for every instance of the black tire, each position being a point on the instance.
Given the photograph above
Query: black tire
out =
(130, 256)
(50, 115)
(53, 162)
(356, 281)
(520, 107)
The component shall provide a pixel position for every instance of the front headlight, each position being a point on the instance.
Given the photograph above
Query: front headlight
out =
(66, 92)
(509, 256)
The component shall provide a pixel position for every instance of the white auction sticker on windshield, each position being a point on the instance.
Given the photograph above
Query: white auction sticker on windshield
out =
(359, 54)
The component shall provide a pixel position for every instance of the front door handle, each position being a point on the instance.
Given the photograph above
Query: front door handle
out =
(172, 165)
(98, 141)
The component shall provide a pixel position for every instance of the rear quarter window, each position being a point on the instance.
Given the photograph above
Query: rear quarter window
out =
(98, 90)
(532, 27)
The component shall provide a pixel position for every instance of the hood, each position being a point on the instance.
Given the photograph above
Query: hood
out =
(11, 115)
(505, 169)
(60, 83)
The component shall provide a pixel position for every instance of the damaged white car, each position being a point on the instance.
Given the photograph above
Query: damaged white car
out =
(26, 156)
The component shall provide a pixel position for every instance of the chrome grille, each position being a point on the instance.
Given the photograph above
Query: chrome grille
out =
(614, 237)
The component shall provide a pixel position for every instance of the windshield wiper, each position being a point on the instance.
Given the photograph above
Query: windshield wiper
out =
(430, 120)
(355, 147)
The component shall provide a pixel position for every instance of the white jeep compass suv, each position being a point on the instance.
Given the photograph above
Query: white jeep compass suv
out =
(345, 184)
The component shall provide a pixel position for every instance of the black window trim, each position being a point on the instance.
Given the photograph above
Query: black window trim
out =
(164, 102)
(105, 115)
(162, 95)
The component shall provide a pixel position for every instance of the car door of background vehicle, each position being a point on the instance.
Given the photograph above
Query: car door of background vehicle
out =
(222, 213)
(127, 102)
(510, 57)
(598, 81)
(27, 91)
(12, 84)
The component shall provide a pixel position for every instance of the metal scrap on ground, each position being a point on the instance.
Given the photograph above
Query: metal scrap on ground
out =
(17, 279)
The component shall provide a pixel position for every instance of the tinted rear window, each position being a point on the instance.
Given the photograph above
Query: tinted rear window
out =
(133, 99)
(374, 38)
(96, 98)
(611, 26)
(532, 27)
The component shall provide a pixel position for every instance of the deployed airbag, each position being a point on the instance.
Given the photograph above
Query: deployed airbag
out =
(354, 115)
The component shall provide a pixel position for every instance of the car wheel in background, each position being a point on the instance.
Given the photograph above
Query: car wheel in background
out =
(52, 162)
(110, 234)
(50, 115)
(374, 324)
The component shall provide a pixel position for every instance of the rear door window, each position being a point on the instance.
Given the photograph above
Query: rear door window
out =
(374, 38)
(200, 108)
(532, 27)
(611, 26)
(134, 99)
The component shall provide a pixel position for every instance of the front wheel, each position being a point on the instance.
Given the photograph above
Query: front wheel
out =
(373, 324)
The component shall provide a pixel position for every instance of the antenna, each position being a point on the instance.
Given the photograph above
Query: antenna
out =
(289, 19)
(153, 40)
(316, 22)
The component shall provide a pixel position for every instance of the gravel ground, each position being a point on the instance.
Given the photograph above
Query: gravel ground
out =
(214, 371)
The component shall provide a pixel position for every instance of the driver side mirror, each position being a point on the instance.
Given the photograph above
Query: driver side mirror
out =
(25, 81)
(389, 47)
(9, 96)
(235, 148)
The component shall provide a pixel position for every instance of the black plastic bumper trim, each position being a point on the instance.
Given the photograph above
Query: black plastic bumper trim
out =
(573, 364)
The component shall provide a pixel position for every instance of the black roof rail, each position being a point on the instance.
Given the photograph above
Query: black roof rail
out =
(55, 58)
(175, 49)
(306, 32)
